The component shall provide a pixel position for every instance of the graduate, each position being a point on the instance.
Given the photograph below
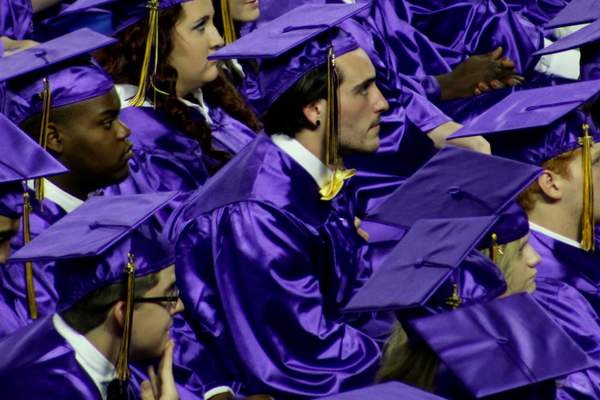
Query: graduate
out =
(552, 133)
(76, 119)
(117, 299)
(187, 120)
(22, 159)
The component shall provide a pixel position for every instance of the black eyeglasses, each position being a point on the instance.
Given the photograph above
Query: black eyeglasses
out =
(171, 301)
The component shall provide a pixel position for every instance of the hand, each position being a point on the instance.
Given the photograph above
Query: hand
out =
(361, 233)
(476, 143)
(161, 387)
(14, 46)
(439, 135)
(479, 74)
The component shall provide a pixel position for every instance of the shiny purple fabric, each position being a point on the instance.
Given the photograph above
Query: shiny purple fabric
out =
(264, 267)
(15, 19)
(539, 12)
(40, 353)
(476, 27)
(11, 200)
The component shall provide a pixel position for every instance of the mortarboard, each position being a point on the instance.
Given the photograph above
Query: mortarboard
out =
(22, 159)
(385, 391)
(435, 265)
(104, 242)
(500, 345)
(539, 124)
(576, 12)
(124, 14)
(53, 74)
(294, 44)
(456, 183)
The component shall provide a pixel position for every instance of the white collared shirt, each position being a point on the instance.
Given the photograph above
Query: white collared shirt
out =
(315, 167)
(93, 362)
(55, 194)
(535, 227)
(126, 92)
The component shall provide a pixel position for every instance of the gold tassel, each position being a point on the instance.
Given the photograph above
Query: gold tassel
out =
(228, 27)
(587, 217)
(33, 314)
(147, 78)
(123, 372)
(46, 95)
(332, 134)
(454, 301)
(495, 250)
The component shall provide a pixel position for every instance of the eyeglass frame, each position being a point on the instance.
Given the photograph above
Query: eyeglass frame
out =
(171, 300)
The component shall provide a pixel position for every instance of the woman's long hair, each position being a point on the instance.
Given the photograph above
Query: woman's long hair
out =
(123, 62)
(417, 365)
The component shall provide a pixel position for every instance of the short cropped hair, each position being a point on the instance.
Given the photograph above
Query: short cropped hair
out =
(63, 116)
(286, 114)
(559, 165)
(91, 311)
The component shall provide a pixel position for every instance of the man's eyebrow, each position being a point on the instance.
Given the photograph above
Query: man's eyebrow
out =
(367, 82)
(111, 112)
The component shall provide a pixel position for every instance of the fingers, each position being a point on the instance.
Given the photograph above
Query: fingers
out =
(507, 63)
(357, 222)
(147, 392)
(168, 391)
(496, 84)
(154, 382)
(495, 55)
(476, 143)
(515, 80)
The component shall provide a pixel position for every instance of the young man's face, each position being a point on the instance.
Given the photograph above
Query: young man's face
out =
(152, 321)
(361, 104)
(8, 228)
(94, 144)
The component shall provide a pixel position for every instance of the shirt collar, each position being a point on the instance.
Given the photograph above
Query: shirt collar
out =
(535, 227)
(127, 91)
(58, 196)
(93, 362)
(319, 171)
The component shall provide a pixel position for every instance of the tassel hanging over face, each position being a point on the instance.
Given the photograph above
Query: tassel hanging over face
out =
(332, 134)
(229, 34)
(147, 77)
(46, 96)
(495, 250)
(587, 217)
(33, 314)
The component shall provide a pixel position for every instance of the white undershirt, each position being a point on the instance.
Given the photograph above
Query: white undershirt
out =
(319, 171)
(93, 362)
(126, 92)
(55, 194)
(535, 227)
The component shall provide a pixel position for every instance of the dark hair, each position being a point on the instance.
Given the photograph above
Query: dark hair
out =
(64, 116)
(123, 62)
(286, 115)
(91, 311)
(218, 20)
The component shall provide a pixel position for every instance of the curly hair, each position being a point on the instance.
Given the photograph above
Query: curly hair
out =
(123, 61)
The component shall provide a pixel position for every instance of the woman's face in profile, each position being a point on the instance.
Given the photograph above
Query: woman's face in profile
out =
(524, 271)
(244, 10)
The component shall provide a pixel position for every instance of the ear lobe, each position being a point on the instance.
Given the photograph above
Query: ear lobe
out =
(550, 185)
(54, 138)
(314, 112)
(119, 312)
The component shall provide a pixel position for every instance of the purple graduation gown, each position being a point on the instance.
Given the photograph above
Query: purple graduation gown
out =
(38, 362)
(165, 159)
(15, 19)
(264, 266)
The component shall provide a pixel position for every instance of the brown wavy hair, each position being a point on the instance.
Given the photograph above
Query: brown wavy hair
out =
(123, 62)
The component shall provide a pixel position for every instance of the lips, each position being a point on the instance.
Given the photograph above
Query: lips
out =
(129, 152)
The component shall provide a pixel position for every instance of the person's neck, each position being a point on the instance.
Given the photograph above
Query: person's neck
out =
(106, 342)
(557, 220)
(69, 184)
(314, 141)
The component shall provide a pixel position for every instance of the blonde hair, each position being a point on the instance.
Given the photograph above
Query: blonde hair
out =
(417, 365)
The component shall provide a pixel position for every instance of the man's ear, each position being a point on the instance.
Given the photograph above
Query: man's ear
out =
(120, 309)
(55, 135)
(315, 112)
(551, 185)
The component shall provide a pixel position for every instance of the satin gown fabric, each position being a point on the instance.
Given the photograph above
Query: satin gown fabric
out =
(264, 267)
(15, 19)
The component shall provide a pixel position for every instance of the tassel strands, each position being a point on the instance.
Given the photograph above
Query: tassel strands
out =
(228, 27)
(147, 78)
(33, 314)
(587, 217)
(495, 250)
(454, 301)
(332, 138)
(46, 96)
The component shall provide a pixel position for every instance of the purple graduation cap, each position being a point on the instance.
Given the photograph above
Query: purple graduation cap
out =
(499, 346)
(104, 242)
(575, 13)
(455, 183)
(385, 391)
(53, 74)
(294, 44)
(534, 126)
(22, 159)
